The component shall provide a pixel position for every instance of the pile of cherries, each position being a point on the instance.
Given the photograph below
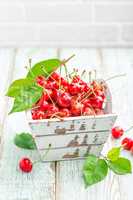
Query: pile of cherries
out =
(62, 98)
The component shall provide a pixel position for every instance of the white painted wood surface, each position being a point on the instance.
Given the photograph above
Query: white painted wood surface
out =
(63, 180)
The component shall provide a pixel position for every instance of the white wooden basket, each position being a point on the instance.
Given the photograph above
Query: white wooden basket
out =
(75, 137)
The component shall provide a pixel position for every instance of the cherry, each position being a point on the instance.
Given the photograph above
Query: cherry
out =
(77, 79)
(74, 89)
(37, 114)
(88, 111)
(51, 85)
(96, 85)
(44, 106)
(25, 164)
(99, 112)
(64, 82)
(100, 93)
(87, 102)
(117, 132)
(54, 77)
(86, 88)
(64, 100)
(64, 112)
(97, 102)
(55, 94)
(52, 109)
(45, 97)
(127, 143)
(40, 80)
(77, 109)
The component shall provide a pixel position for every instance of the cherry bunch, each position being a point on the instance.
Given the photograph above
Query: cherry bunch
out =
(66, 98)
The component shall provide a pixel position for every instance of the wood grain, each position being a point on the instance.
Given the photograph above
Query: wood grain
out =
(40, 184)
(63, 180)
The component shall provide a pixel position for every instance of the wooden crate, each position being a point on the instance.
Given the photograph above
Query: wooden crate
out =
(74, 137)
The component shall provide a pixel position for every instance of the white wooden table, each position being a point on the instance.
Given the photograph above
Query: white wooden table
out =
(62, 180)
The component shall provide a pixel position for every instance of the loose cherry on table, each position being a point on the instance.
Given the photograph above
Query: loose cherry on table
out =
(117, 132)
(127, 143)
(26, 165)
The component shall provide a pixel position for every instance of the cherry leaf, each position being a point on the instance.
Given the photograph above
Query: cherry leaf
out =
(25, 141)
(120, 166)
(44, 68)
(27, 98)
(94, 170)
(114, 153)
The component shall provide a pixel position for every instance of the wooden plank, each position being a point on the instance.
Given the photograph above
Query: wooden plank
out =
(69, 182)
(123, 105)
(69, 176)
(40, 184)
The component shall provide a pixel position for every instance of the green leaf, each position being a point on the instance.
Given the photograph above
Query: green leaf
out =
(120, 166)
(25, 141)
(94, 170)
(27, 98)
(114, 153)
(44, 68)
(19, 86)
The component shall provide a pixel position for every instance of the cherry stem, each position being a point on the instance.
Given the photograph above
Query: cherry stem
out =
(115, 76)
(56, 115)
(29, 68)
(83, 73)
(66, 60)
(90, 76)
(44, 156)
(66, 72)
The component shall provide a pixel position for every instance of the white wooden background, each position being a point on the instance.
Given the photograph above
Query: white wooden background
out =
(63, 180)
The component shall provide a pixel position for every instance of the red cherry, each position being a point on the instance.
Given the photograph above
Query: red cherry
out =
(54, 77)
(40, 80)
(76, 79)
(64, 100)
(64, 112)
(77, 109)
(74, 89)
(52, 109)
(100, 93)
(86, 88)
(25, 164)
(96, 85)
(37, 114)
(117, 132)
(55, 94)
(127, 143)
(51, 85)
(88, 111)
(64, 82)
(87, 103)
(45, 97)
(99, 112)
(44, 106)
(97, 102)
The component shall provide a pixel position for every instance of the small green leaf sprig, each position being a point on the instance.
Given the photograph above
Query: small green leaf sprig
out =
(26, 92)
(96, 169)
